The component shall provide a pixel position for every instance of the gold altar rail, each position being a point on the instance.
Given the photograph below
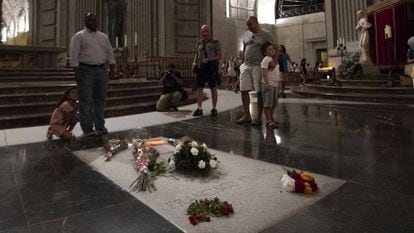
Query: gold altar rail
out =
(152, 67)
(15, 56)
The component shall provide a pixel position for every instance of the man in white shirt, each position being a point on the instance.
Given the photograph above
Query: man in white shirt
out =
(90, 51)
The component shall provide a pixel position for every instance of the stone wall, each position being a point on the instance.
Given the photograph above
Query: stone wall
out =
(302, 35)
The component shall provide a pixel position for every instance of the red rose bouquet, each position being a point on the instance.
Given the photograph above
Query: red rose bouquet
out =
(201, 210)
(299, 182)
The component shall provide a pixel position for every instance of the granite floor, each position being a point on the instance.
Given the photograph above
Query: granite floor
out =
(45, 188)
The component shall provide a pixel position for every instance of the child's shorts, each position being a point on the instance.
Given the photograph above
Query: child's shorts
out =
(270, 96)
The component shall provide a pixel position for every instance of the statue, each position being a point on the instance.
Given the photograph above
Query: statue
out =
(362, 27)
(410, 52)
(409, 67)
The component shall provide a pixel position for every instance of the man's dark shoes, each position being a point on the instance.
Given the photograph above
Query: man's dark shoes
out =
(198, 112)
(213, 112)
(89, 134)
(101, 132)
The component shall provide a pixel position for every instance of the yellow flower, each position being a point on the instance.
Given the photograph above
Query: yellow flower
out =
(308, 189)
(306, 176)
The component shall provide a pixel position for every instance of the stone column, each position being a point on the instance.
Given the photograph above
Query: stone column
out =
(1, 19)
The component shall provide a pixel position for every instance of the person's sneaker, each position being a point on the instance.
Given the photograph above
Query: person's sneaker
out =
(256, 122)
(101, 132)
(244, 120)
(198, 112)
(213, 112)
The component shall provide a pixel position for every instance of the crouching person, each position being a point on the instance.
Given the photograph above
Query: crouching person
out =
(64, 116)
(171, 95)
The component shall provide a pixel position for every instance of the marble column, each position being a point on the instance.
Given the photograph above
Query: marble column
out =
(1, 19)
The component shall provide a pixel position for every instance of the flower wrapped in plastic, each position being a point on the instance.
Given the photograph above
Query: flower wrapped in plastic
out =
(146, 164)
(114, 146)
(299, 182)
(192, 157)
(138, 134)
(144, 181)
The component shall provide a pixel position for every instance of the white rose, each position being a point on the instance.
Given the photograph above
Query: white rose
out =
(194, 144)
(194, 151)
(178, 147)
(213, 163)
(201, 164)
(288, 183)
(171, 164)
(204, 146)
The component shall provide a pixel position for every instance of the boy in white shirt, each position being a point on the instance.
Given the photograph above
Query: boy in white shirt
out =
(269, 83)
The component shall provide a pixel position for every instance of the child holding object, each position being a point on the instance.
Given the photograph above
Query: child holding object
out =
(269, 83)
(64, 117)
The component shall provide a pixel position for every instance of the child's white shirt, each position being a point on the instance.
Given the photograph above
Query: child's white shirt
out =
(271, 74)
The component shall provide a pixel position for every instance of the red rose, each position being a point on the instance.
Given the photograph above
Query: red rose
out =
(193, 219)
(295, 175)
(313, 185)
(299, 186)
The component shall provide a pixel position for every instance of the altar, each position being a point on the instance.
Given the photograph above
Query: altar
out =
(391, 28)
(14, 56)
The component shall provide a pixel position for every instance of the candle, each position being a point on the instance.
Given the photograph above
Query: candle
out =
(337, 42)
(116, 42)
(126, 41)
(136, 39)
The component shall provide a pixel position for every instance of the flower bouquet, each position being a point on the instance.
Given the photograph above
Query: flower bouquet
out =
(113, 146)
(192, 158)
(146, 165)
(299, 182)
(201, 210)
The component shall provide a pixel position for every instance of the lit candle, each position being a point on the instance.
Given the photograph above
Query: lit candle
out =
(116, 42)
(136, 39)
(327, 77)
(126, 41)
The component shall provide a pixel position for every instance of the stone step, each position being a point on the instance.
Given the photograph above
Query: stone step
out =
(18, 98)
(118, 108)
(36, 74)
(359, 89)
(360, 97)
(46, 87)
(363, 82)
(39, 107)
(51, 78)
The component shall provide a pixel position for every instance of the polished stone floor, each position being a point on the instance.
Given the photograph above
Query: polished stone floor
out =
(45, 188)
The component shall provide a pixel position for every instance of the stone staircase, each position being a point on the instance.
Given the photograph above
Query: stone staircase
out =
(378, 88)
(28, 96)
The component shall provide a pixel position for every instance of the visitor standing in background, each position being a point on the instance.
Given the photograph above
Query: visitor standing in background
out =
(231, 73)
(206, 67)
(303, 71)
(250, 74)
(283, 60)
(237, 63)
(90, 51)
